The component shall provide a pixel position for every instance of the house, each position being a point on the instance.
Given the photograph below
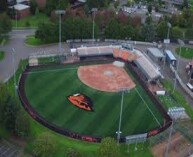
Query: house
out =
(22, 10)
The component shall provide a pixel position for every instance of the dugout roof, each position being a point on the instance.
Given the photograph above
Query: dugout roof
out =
(95, 51)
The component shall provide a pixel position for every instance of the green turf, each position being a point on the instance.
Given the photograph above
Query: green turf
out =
(47, 92)
(185, 52)
(1, 55)
(30, 21)
(31, 40)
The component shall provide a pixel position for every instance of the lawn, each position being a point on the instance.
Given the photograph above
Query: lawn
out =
(30, 21)
(1, 55)
(185, 52)
(32, 41)
(47, 89)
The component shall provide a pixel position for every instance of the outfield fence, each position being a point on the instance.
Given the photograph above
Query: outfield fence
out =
(41, 120)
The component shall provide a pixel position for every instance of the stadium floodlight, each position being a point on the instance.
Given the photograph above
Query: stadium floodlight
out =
(168, 34)
(13, 64)
(93, 22)
(122, 90)
(181, 43)
(60, 13)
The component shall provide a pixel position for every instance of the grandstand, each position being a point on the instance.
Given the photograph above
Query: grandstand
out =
(151, 73)
(147, 68)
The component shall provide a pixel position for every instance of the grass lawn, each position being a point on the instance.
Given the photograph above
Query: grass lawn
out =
(47, 90)
(30, 21)
(185, 52)
(1, 55)
(31, 40)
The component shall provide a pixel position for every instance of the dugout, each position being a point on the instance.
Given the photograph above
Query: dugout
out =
(170, 57)
(155, 54)
(95, 52)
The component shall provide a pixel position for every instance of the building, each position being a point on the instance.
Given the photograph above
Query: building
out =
(41, 4)
(150, 72)
(175, 2)
(170, 57)
(22, 10)
(155, 54)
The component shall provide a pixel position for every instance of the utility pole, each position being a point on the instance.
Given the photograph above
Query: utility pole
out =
(14, 74)
(181, 42)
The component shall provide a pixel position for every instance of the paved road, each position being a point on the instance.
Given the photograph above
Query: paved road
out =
(17, 38)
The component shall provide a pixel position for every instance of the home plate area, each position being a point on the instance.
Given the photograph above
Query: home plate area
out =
(106, 77)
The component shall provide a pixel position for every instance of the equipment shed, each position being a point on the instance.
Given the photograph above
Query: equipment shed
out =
(155, 54)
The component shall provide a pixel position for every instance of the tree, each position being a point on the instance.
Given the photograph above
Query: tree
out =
(189, 33)
(72, 153)
(44, 145)
(52, 5)
(148, 20)
(112, 30)
(162, 29)
(5, 24)
(109, 148)
(22, 124)
(3, 98)
(9, 114)
(148, 32)
(176, 33)
(149, 8)
(3, 6)
(33, 6)
(97, 3)
(136, 21)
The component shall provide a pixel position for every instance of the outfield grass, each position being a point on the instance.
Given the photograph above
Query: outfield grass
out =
(185, 52)
(1, 55)
(47, 92)
(30, 21)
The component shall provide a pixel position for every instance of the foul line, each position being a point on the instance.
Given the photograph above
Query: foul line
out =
(148, 107)
(54, 70)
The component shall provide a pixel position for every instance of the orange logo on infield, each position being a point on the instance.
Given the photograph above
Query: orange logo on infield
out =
(81, 101)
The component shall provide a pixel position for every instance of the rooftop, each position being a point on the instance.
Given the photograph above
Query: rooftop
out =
(20, 6)
(156, 52)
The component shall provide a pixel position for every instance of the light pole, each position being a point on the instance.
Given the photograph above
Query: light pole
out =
(60, 13)
(181, 42)
(168, 34)
(122, 90)
(93, 10)
(13, 64)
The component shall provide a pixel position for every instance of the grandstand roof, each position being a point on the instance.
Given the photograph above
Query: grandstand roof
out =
(147, 67)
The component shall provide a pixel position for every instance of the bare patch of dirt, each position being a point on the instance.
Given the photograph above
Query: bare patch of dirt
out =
(179, 147)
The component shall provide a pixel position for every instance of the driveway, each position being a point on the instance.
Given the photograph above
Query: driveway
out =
(17, 38)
